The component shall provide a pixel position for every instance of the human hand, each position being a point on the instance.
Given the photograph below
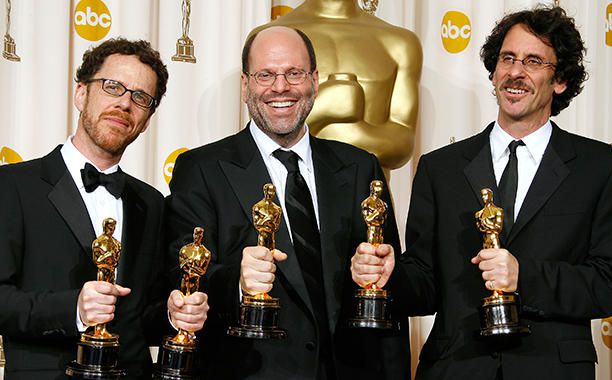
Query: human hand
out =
(188, 312)
(372, 264)
(257, 269)
(96, 302)
(500, 269)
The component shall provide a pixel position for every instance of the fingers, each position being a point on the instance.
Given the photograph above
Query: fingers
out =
(257, 269)
(372, 265)
(499, 269)
(96, 301)
(191, 314)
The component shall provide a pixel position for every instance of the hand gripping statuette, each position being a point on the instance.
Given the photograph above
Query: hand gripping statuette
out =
(177, 357)
(259, 312)
(98, 349)
(372, 304)
(499, 313)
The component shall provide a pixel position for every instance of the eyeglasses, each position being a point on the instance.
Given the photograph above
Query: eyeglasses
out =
(267, 79)
(530, 64)
(114, 88)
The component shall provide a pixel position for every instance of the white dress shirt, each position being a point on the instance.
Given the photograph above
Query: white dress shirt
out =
(528, 156)
(278, 172)
(100, 203)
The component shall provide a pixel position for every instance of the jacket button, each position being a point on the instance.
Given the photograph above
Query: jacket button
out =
(310, 346)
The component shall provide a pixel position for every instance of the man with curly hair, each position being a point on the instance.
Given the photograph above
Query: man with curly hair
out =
(54, 207)
(555, 189)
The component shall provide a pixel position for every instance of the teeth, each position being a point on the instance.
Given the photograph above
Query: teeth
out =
(515, 91)
(281, 104)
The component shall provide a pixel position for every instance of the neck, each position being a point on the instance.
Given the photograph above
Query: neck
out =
(333, 8)
(520, 129)
(101, 158)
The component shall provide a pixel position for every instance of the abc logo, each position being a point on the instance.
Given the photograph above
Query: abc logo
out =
(606, 331)
(9, 156)
(280, 10)
(169, 163)
(608, 24)
(92, 19)
(456, 31)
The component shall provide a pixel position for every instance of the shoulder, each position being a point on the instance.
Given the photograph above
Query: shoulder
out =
(346, 153)
(143, 189)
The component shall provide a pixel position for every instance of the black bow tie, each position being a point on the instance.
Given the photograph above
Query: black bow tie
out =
(92, 178)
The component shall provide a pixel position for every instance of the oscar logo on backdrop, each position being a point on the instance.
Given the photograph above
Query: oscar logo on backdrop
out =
(92, 20)
(369, 72)
(10, 50)
(606, 331)
(184, 45)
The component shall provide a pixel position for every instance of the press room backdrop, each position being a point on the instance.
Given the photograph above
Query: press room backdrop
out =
(44, 42)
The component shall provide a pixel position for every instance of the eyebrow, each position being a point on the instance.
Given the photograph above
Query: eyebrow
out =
(506, 52)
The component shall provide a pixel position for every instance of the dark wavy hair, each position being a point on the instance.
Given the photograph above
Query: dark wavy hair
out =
(557, 30)
(246, 50)
(94, 58)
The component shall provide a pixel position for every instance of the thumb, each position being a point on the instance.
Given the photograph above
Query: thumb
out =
(278, 255)
(121, 291)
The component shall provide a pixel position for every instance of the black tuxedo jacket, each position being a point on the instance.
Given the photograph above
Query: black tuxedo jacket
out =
(562, 240)
(45, 257)
(216, 186)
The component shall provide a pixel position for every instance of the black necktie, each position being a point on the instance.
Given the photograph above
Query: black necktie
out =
(92, 178)
(307, 246)
(507, 186)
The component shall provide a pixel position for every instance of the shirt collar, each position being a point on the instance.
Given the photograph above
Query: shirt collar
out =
(267, 146)
(75, 161)
(536, 142)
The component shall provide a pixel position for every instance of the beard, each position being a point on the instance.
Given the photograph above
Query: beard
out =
(107, 140)
(282, 130)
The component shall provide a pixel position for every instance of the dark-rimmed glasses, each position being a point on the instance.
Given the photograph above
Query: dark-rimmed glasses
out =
(267, 79)
(115, 88)
(530, 64)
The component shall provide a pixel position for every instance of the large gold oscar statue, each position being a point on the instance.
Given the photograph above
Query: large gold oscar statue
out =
(369, 72)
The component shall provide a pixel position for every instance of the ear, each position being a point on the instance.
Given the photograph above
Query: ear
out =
(80, 96)
(559, 87)
(146, 126)
(315, 80)
(244, 83)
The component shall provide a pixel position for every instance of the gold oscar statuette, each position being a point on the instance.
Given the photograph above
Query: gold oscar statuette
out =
(369, 73)
(10, 49)
(371, 303)
(499, 313)
(184, 45)
(178, 356)
(98, 349)
(259, 312)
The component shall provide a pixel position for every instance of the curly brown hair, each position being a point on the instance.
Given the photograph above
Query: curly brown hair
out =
(94, 58)
(557, 30)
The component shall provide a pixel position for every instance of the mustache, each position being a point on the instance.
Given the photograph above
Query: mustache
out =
(518, 83)
(118, 114)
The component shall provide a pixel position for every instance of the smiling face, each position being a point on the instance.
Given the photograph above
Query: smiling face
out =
(281, 109)
(524, 97)
(108, 124)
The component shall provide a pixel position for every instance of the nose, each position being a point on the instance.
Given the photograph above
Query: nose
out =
(125, 101)
(517, 69)
(280, 84)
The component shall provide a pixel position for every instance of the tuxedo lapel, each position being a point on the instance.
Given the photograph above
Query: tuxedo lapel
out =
(551, 172)
(479, 171)
(67, 200)
(247, 173)
(134, 216)
(333, 181)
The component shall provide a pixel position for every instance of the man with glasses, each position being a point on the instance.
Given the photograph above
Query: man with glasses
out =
(320, 185)
(53, 209)
(555, 188)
